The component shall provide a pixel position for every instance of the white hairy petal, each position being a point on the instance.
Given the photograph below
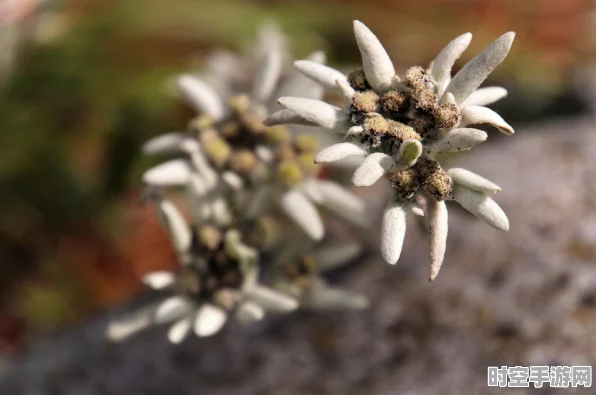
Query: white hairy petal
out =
(123, 328)
(300, 86)
(271, 300)
(393, 231)
(233, 180)
(303, 213)
(171, 309)
(339, 151)
(202, 97)
(416, 210)
(159, 279)
(344, 88)
(310, 188)
(316, 111)
(171, 173)
(179, 330)
(320, 73)
(203, 168)
(476, 70)
(220, 212)
(249, 312)
(443, 63)
(166, 143)
(334, 255)
(376, 63)
(286, 116)
(322, 297)
(264, 153)
(482, 207)
(458, 140)
(409, 152)
(342, 202)
(209, 320)
(267, 76)
(437, 221)
(485, 96)
(176, 226)
(473, 115)
(471, 180)
(371, 169)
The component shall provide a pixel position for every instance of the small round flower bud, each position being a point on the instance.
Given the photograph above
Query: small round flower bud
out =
(446, 116)
(357, 79)
(366, 101)
(290, 173)
(285, 152)
(243, 162)
(405, 183)
(306, 143)
(278, 134)
(209, 237)
(215, 147)
(438, 185)
(393, 102)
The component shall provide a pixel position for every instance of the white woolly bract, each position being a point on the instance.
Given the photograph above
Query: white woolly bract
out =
(209, 320)
(437, 222)
(473, 115)
(303, 213)
(482, 207)
(202, 97)
(393, 231)
(372, 169)
(339, 151)
(443, 63)
(476, 70)
(458, 140)
(473, 181)
(376, 63)
(315, 111)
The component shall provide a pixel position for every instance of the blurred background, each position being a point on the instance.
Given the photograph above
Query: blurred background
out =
(83, 83)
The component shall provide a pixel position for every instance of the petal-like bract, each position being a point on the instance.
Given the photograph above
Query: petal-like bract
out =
(339, 151)
(203, 98)
(437, 221)
(476, 70)
(377, 65)
(459, 140)
(209, 320)
(473, 115)
(371, 169)
(482, 207)
(473, 181)
(393, 231)
(443, 63)
(315, 111)
(303, 213)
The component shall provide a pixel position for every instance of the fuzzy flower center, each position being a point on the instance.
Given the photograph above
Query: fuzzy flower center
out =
(411, 110)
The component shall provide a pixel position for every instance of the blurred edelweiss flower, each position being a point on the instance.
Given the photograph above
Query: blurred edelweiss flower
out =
(238, 174)
(400, 125)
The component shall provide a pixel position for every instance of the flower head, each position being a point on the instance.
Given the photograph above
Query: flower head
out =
(400, 125)
(238, 174)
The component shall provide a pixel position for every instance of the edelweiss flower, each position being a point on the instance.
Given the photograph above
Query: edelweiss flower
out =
(218, 275)
(400, 125)
(239, 167)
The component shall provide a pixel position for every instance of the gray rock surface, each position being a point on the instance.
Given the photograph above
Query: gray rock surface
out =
(526, 297)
